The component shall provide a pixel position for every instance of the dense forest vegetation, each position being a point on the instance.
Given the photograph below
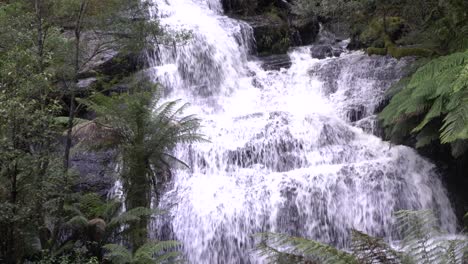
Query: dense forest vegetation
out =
(50, 48)
(46, 48)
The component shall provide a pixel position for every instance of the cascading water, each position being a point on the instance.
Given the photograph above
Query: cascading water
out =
(291, 151)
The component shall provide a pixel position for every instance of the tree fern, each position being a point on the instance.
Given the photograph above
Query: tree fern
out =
(436, 91)
(144, 132)
(118, 254)
(421, 242)
(133, 215)
(370, 250)
(280, 248)
(146, 253)
(154, 252)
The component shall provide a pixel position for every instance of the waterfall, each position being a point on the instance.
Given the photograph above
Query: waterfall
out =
(290, 151)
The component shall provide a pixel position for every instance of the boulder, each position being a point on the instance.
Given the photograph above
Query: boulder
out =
(325, 51)
(307, 30)
(95, 171)
(276, 62)
(271, 33)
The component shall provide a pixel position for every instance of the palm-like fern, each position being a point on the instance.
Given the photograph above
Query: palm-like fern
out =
(280, 248)
(150, 253)
(144, 133)
(433, 104)
(422, 242)
(137, 120)
(100, 220)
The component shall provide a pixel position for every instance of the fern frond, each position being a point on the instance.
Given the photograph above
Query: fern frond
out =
(428, 134)
(78, 222)
(436, 90)
(118, 254)
(421, 236)
(435, 111)
(147, 252)
(169, 256)
(374, 250)
(133, 215)
(456, 122)
(280, 246)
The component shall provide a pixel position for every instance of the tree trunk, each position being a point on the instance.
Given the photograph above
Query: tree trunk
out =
(76, 66)
(137, 194)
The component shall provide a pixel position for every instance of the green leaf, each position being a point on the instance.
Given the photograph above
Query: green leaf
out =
(118, 254)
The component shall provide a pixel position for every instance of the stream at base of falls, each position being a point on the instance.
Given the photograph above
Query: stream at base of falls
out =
(291, 151)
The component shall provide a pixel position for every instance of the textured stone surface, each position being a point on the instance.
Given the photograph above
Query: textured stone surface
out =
(96, 171)
(276, 62)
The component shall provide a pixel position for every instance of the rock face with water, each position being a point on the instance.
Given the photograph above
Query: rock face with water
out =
(290, 150)
(96, 171)
(275, 27)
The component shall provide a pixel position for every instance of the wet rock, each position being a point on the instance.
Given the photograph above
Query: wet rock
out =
(371, 125)
(325, 51)
(278, 154)
(288, 213)
(276, 62)
(271, 34)
(106, 59)
(86, 83)
(256, 83)
(307, 30)
(356, 113)
(328, 73)
(274, 148)
(95, 171)
(332, 135)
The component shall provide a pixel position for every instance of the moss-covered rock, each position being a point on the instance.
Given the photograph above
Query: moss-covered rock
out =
(307, 29)
(271, 33)
(376, 51)
(372, 35)
(399, 52)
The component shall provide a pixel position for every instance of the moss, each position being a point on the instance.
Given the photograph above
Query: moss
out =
(398, 52)
(405, 52)
(273, 40)
(373, 32)
(91, 205)
(275, 14)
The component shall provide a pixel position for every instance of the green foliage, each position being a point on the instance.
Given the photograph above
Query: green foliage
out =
(434, 103)
(154, 252)
(67, 259)
(133, 215)
(374, 34)
(279, 248)
(328, 9)
(369, 249)
(144, 132)
(421, 27)
(37, 207)
(422, 242)
(138, 120)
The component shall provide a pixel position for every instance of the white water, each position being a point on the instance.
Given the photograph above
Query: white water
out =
(283, 155)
